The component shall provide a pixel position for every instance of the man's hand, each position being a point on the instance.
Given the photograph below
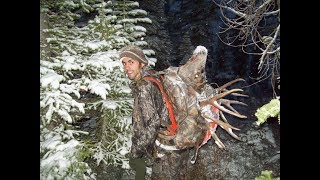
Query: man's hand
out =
(139, 165)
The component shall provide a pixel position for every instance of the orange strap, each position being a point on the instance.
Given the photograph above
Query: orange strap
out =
(173, 127)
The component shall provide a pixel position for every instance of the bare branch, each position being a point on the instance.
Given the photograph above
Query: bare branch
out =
(230, 9)
(272, 12)
(263, 5)
(253, 26)
(269, 46)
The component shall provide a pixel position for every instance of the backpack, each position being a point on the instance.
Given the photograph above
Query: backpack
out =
(194, 106)
(173, 128)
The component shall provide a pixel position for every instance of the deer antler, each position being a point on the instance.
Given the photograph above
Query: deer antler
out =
(225, 126)
(228, 103)
(207, 114)
(213, 101)
(223, 88)
(215, 104)
(221, 95)
(229, 83)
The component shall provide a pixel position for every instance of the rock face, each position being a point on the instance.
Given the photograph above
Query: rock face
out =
(178, 27)
(157, 32)
(259, 150)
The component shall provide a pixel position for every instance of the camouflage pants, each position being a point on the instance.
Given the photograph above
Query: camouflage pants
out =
(172, 166)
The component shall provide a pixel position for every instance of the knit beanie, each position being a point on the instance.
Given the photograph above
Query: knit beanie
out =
(133, 52)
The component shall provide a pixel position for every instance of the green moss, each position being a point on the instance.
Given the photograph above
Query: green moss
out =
(272, 109)
(266, 175)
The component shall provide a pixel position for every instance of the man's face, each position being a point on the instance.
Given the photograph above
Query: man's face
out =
(132, 68)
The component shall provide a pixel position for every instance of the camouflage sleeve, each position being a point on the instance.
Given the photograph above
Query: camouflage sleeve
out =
(146, 120)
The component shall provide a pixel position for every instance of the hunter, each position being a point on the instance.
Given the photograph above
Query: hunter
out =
(149, 116)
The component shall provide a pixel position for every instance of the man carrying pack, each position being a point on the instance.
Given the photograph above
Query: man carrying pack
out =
(150, 115)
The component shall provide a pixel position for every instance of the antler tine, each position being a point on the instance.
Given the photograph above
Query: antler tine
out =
(230, 107)
(217, 140)
(194, 158)
(223, 117)
(225, 126)
(229, 130)
(238, 94)
(228, 101)
(217, 121)
(218, 96)
(215, 103)
(229, 83)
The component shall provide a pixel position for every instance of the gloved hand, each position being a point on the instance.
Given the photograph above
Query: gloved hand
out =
(139, 165)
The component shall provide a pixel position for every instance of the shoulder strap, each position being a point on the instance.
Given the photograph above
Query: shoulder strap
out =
(173, 127)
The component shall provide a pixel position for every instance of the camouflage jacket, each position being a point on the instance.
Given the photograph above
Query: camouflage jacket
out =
(149, 115)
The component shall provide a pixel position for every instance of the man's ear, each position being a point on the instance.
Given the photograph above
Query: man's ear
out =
(142, 65)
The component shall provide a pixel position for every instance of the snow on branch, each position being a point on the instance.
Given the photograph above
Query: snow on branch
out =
(63, 155)
(98, 88)
(59, 103)
(137, 12)
(51, 79)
